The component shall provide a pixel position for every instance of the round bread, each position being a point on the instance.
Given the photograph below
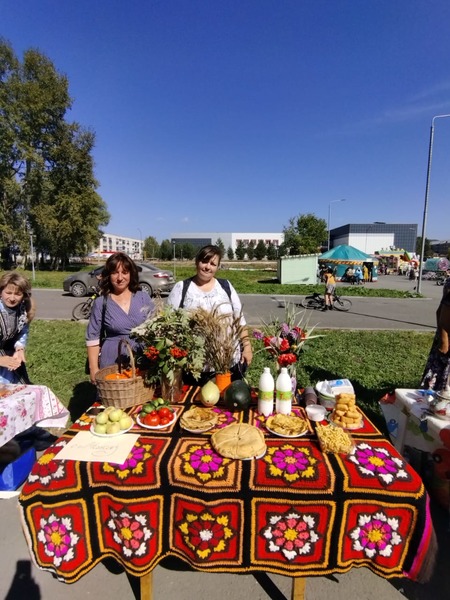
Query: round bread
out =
(199, 418)
(239, 441)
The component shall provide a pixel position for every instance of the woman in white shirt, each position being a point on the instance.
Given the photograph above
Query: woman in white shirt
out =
(204, 290)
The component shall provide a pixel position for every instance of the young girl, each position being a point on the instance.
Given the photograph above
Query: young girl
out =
(16, 312)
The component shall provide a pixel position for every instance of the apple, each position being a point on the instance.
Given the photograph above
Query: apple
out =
(101, 418)
(112, 428)
(125, 422)
(115, 415)
(100, 428)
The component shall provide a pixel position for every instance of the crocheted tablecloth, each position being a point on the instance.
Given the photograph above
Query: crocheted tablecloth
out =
(294, 511)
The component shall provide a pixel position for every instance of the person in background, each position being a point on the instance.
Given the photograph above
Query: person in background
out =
(358, 276)
(436, 372)
(17, 310)
(330, 286)
(125, 306)
(203, 290)
(366, 274)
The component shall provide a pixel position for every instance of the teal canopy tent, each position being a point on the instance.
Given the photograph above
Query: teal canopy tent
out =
(346, 255)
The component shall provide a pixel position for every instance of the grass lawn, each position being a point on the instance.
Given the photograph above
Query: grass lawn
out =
(246, 281)
(375, 362)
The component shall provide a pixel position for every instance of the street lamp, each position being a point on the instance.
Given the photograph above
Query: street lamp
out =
(329, 218)
(427, 193)
(32, 257)
(174, 266)
(141, 247)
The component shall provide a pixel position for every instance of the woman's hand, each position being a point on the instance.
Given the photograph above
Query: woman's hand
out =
(10, 362)
(247, 353)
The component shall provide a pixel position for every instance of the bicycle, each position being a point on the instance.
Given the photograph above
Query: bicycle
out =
(83, 309)
(317, 301)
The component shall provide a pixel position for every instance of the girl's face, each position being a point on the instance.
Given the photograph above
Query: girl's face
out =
(11, 295)
(120, 279)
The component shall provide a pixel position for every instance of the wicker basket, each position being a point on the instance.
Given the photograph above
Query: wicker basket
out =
(122, 393)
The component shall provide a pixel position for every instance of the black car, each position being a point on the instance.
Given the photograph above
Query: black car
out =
(153, 280)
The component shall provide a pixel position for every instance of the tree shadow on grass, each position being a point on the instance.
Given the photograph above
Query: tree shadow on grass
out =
(83, 396)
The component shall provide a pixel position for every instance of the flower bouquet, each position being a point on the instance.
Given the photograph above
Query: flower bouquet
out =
(170, 345)
(284, 340)
(223, 334)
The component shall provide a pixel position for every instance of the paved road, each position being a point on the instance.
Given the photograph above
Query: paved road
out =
(366, 313)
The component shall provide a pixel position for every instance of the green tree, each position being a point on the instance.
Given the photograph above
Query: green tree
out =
(428, 251)
(47, 183)
(230, 253)
(220, 245)
(166, 250)
(271, 252)
(250, 250)
(240, 250)
(260, 250)
(189, 251)
(305, 234)
(151, 247)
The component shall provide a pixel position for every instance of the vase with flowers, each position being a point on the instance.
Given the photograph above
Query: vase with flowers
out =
(222, 333)
(171, 346)
(284, 340)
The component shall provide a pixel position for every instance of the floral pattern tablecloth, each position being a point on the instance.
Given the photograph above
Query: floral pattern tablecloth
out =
(22, 406)
(294, 511)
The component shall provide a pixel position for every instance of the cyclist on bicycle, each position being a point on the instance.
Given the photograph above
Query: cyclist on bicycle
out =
(330, 286)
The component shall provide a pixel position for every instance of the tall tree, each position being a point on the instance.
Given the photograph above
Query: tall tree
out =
(260, 250)
(240, 250)
(220, 245)
(151, 247)
(305, 234)
(428, 250)
(46, 166)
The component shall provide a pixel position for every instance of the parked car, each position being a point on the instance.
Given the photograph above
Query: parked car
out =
(152, 280)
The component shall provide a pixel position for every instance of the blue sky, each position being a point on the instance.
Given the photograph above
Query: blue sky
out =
(235, 115)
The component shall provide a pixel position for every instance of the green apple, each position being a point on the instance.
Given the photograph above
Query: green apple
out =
(125, 422)
(112, 428)
(100, 428)
(101, 418)
(115, 415)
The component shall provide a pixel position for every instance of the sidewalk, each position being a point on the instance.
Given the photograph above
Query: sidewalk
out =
(21, 579)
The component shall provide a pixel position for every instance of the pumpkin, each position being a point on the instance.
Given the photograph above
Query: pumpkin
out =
(237, 396)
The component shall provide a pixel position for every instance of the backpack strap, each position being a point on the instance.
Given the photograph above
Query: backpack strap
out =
(225, 284)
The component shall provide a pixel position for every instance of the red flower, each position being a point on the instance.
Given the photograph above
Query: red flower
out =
(287, 359)
(284, 345)
(178, 352)
(152, 353)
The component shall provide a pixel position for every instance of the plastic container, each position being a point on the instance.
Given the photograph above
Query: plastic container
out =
(266, 388)
(283, 396)
(316, 412)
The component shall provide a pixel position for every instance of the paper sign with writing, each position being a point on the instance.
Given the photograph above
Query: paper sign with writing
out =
(87, 447)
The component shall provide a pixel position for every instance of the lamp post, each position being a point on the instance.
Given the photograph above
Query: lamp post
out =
(427, 193)
(174, 266)
(141, 247)
(32, 257)
(329, 218)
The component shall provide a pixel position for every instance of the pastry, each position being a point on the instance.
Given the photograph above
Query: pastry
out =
(239, 440)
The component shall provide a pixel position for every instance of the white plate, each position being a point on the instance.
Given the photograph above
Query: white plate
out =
(157, 426)
(287, 436)
(109, 435)
(254, 457)
(197, 430)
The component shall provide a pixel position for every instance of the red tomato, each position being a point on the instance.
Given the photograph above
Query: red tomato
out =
(153, 420)
(165, 413)
(164, 421)
(155, 413)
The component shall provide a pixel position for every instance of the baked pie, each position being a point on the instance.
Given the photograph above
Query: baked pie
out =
(287, 425)
(239, 441)
(198, 418)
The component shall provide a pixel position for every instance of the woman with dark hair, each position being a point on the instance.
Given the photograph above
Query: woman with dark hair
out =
(121, 306)
(204, 290)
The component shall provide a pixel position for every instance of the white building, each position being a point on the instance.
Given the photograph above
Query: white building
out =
(110, 243)
(228, 239)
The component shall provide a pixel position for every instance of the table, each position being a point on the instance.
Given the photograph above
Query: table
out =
(295, 511)
(411, 425)
(22, 406)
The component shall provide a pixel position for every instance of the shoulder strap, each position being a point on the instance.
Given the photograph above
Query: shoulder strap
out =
(102, 325)
(187, 282)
